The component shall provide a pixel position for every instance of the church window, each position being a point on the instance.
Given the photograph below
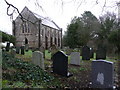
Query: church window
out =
(25, 27)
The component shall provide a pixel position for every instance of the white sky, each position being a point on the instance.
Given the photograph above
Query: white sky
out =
(61, 14)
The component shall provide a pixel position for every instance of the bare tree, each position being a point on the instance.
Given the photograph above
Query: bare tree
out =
(77, 3)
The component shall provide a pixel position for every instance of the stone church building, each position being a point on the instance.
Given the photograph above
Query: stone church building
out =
(36, 31)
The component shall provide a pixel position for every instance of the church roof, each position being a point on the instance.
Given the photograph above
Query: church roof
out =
(46, 21)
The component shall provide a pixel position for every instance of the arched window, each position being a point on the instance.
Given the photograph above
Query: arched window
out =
(25, 27)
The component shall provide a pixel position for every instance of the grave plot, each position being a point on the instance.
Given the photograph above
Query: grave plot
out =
(85, 53)
(37, 59)
(17, 50)
(60, 64)
(7, 47)
(22, 50)
(101, 53)
(102, 74)
(75, 58)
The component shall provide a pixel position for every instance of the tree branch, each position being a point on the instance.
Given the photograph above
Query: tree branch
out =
(10, 5)
(15, 8)
(104, 6)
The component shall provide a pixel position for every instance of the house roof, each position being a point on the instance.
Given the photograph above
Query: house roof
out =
(46, 21)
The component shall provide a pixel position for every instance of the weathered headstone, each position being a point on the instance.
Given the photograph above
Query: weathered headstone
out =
(7, 47)
(22, 50)
(37, 59)
(91, 53)
(60, 64)
(75, 58)
(85, 53)
(17, 50)
(101, 53)
(102, 74)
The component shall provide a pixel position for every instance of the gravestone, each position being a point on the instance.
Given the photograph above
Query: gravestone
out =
(85, 53)
(91, 53)
(75, 58)
(101, 53)
(22, 50)
(7, 47)
(60, 64)
(37, 59)
(102, 74)
(17, 50)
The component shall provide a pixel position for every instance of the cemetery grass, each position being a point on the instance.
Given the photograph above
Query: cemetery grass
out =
(26, 57)
(81, 75)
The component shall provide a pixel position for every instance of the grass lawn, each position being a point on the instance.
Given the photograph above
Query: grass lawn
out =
(26, 57)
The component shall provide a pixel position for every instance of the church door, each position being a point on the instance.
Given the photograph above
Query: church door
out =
(26, 41)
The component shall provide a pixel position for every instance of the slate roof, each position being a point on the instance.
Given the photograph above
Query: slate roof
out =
(46, 21)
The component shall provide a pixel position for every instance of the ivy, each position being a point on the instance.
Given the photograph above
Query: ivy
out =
(23, 71)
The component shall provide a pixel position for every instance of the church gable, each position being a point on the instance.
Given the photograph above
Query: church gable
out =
(27, 15)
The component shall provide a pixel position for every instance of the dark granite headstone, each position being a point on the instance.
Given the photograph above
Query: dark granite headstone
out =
(85, 53)
(101, 53)
(22, 50)
(17, 50)
(91, 53)
(7, 47)
(102, 74)
(60, 64)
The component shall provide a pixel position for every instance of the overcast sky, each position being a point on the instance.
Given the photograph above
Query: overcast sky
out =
(59, 12)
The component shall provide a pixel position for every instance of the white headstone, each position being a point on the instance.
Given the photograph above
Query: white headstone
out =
(37, 59)
(75, 58)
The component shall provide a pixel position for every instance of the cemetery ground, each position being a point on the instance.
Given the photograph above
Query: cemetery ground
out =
(19, 72)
